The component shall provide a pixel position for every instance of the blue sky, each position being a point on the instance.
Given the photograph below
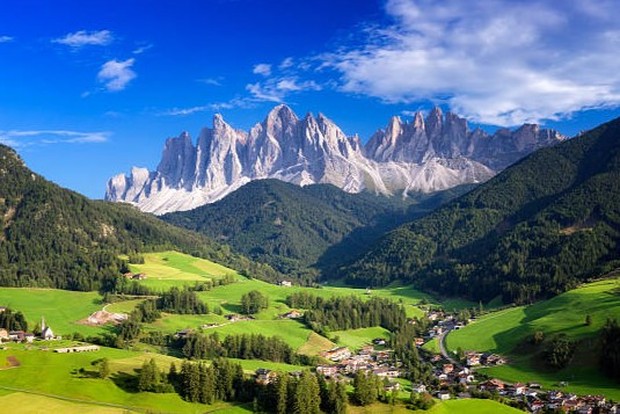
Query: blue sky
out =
(88, 89)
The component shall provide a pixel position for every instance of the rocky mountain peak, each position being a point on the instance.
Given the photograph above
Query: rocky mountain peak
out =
(429, 154)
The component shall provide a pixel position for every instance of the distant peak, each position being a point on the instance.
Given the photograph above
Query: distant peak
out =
(282, 112)
(218, 121)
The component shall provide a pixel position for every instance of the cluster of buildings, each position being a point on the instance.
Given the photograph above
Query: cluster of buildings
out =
(367, 359)
(135, 276)
(21, 336)
(452, 376)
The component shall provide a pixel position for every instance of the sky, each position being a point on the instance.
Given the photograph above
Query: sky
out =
(90, 89)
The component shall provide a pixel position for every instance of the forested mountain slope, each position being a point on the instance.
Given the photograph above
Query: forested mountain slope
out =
(537, 229)
(292, 227)
(53, 237)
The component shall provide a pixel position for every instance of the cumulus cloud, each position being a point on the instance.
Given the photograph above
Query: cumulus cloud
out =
(24, 138)
(6, 39)
(85, 38)
(263, 69)
(499, 62)
(115, 75)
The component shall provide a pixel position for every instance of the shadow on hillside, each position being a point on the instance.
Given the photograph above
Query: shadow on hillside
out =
(231, 307)
(125, 381)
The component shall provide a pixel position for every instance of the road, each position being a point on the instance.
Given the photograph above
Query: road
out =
(442, 347)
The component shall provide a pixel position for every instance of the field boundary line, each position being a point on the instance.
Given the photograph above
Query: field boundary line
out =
(75, 400)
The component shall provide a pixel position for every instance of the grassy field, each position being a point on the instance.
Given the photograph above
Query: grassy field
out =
(170, 268)
(20, 402)
(315, 345)
(357, 338)
(58, 374)
(444, 407)
(506, 331)
(432, 346)
(62, 309)
(470, 406)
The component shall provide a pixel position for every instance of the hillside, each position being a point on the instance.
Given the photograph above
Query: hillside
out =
(535, 230)
(509, 333)
(292, 227)
(53, 237)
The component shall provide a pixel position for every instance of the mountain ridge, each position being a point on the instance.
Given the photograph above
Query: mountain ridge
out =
(425, 155)
(540, 227)
(54, 237)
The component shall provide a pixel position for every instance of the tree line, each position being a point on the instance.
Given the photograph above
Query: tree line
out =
(243, 346)
(347, 312)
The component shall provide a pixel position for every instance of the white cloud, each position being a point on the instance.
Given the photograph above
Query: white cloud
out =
(24, 138)
(116, 74)
(263, 69)
(211, 81)
(6, 39)
(84, 38)
(500, 62)
(286, 63)
(276, 89)
(141, 49)
(217, 106)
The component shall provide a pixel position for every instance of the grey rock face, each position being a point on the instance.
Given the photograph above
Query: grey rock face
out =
(425, 155)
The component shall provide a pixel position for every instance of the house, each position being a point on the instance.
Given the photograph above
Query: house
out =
(4, 335)
(448, 368)
(386, 372)
(492, 385)
(420, 388)
(139, 276)
(84, 348)
(443, 395)
(294, 314)
(379, 341)
(265, 376)
(419, 341)
(472, 359)
(183, 334)
(286, 283)
(17, 336)
(337, 354)
(519, 389)
(327, 370)
(2, 309)
(392, 386)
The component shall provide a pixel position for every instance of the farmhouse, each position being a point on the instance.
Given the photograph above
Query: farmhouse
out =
(17, 336)
(265, 376)
(286, 283)
(84, 348)
(134, 276)
(4, 335)
(337, 354)
(294, 314)
(327, 370)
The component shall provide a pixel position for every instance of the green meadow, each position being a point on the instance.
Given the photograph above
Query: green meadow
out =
(170, 268)
(469, 406)
(507, 332)
(58, 375)
(62, 309)
(357, 338)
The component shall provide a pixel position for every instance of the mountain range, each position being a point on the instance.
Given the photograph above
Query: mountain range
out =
(428, 154)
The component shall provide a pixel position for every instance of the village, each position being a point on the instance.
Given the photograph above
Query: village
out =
(452, 379)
